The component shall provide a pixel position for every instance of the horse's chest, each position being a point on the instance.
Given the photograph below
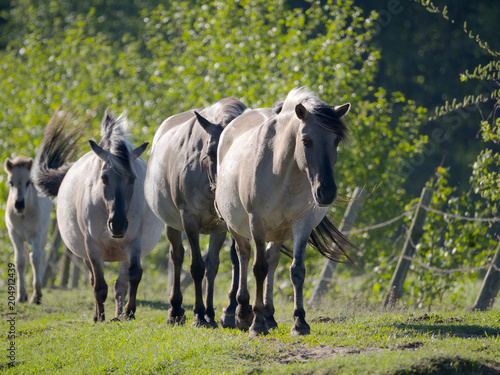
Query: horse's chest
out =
(114, 254)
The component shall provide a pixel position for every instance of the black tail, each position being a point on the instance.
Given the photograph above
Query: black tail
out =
(56, 149)
(330, 242)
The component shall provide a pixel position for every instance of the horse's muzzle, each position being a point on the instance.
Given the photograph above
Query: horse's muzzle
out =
(117, 228)
(325, 197)
(19, 206)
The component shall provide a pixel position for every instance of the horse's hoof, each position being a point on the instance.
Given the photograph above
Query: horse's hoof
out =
(227, 321)
(22, 299)
(211, 322)
(115, 319)
(271, 322)
(300, 328)
(258, 328)
(200, 322)
(36, 300)
(244, 317)
(177, 318)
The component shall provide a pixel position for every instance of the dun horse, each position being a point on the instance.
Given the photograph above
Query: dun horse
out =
(101, 209)
(275, 181)
(179, 188)
(27, 217)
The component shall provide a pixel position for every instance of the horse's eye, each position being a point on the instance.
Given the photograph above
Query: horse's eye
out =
(105, 179)
(28, 183)
(307, 142)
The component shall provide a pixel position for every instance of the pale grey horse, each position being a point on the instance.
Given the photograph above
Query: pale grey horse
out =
(27, 217)
(275, 181)
(101, 209)
(179, 188)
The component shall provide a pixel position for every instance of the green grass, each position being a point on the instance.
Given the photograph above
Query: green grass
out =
(59, 337)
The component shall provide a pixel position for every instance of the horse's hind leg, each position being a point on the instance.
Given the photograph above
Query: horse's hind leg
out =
(227, 319)
(20, 263)
(273, 257)
(211, 269)
(176, 312)
(120, 289)
(37, 259)
(244, 314)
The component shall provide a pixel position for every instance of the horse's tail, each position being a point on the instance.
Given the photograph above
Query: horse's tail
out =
(51, 162)
(330, 241)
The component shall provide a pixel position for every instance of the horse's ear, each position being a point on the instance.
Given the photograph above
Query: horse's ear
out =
(8, 165)
(301, 111)
(103, 154)
(29, 164)
(139, 150)
(342, 109)
(107, 116)
(205, 124)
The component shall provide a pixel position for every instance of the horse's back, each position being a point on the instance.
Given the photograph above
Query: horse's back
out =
(248, 120)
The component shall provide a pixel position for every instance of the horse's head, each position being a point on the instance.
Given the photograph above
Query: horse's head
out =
(209, 159)
(18, 171)
(117, 179)
(320, 132)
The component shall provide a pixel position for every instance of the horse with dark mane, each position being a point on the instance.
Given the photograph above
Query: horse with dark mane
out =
(179, 188)
(275, 181)
(101, 209)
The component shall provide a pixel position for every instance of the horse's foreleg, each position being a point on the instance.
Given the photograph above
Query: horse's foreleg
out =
(37, 259)
(134, 278)
(211, 269)
(197, 268)
(92, 282)
(260, 268)
(20, 263)
(272, 257)
(176, 312)
(227, 319)
(297, 274)
(244, 314)
(120, 288)
(99, 284)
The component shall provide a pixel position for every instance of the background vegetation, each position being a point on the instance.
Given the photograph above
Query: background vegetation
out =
(395, 64)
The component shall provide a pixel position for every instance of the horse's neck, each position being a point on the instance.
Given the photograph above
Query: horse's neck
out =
(284, 149)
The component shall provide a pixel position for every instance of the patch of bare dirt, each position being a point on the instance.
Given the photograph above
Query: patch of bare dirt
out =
(295, 353)
(436, 319)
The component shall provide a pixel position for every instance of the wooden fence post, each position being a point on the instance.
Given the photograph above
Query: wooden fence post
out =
(491, 285)
(416, 230)
(345, 227)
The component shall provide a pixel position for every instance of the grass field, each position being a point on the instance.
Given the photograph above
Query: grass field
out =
(59, 337)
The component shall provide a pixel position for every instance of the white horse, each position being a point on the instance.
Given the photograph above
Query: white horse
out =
(101, 209)
(27, 217)
(275, 181)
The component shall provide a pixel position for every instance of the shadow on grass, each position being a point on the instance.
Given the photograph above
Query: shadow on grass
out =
(463, 331)
(159, 305)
